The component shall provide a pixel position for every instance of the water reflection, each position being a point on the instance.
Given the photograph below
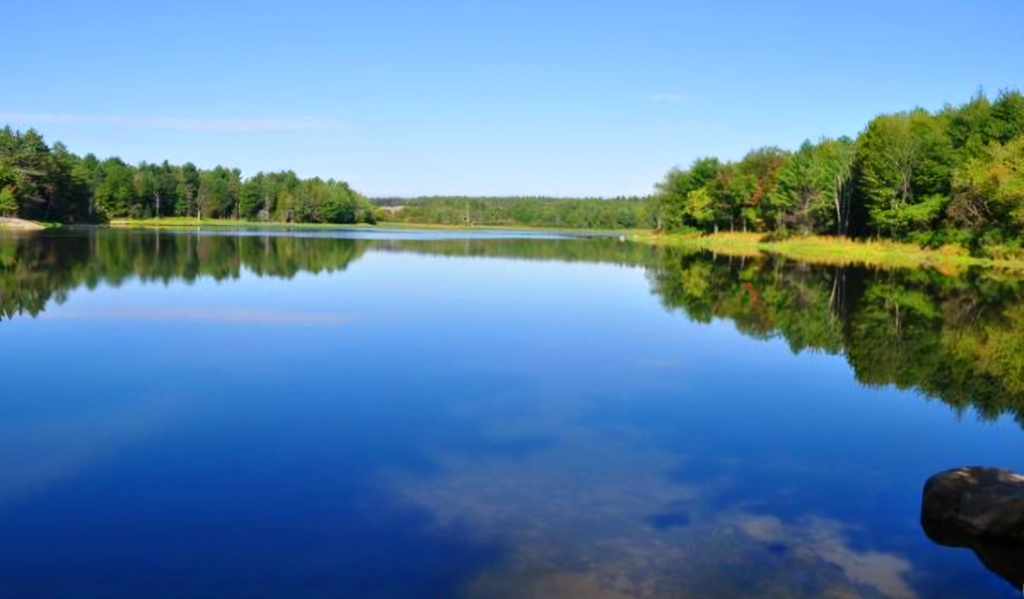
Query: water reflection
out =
(955, 338)
(959, 339)
(569, 439)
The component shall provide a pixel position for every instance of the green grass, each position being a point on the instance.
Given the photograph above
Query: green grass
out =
(835, 251)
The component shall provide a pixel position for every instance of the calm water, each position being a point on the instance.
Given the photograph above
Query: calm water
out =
(403, 415)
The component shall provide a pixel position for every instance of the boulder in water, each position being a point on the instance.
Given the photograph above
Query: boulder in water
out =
(976, 502)
(981, 509)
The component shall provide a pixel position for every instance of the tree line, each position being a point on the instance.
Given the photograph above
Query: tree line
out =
(955, 175)
(532, 211)
(951, 176)
(45, 183)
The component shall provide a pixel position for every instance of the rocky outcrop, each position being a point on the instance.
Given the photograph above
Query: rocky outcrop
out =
(981, 509)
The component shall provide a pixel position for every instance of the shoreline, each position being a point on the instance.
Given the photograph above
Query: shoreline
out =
(833, 251)
(818, 250)
(19, 224)
(185, 222)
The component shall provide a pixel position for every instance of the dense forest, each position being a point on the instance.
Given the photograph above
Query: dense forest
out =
(951, 176)
(565, 213)
(46, 183)
(956, 175)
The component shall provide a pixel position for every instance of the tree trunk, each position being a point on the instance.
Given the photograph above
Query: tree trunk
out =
(848, 201)
(839, 212)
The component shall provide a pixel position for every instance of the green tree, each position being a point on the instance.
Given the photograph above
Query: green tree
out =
(906, 163)
(972, 126)
(115, 190)
(157, 184)
(1008, 112)
(25, 165)
(674, 190)
(813, 194)
(187, 182)
(730, 190)
(251, 198)
(700, 207)
(760, 170)
(989, 189)
(8, 203)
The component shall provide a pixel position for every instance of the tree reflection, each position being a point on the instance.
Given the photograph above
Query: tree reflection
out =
(956, 338)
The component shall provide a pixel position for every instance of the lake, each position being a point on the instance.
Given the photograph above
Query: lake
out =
(401, 414)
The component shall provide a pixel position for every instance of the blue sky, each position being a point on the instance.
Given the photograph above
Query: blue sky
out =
(553, 97)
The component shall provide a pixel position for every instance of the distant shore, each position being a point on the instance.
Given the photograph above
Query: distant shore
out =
(187, 222)
(180, 222)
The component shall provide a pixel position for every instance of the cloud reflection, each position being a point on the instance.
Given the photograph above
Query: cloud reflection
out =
(203, 315)
(580, 519)
(822, 538)
(39, 455)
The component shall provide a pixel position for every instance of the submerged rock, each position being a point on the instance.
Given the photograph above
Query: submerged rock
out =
(981, 509)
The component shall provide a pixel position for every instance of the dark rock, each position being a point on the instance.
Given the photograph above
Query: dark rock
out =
(981, 509)
(974, 502)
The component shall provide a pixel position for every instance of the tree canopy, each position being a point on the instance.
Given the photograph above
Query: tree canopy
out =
(953, 175)
(46, 183)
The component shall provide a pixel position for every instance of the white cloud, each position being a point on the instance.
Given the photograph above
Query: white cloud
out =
(668, 98)
(240, 124)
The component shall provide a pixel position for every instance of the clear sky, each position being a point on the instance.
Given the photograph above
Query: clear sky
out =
(549, 97)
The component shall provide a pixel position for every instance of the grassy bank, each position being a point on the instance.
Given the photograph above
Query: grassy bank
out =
(835, 251)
